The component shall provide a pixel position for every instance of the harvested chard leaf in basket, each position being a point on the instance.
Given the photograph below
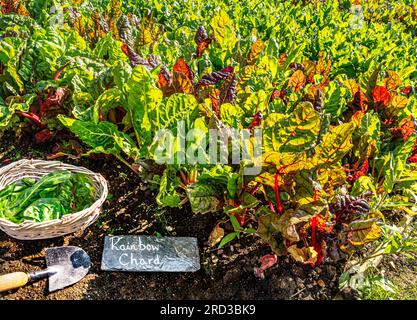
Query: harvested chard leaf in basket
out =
(56, 194)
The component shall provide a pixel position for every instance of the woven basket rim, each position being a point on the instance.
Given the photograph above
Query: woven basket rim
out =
(99, 202)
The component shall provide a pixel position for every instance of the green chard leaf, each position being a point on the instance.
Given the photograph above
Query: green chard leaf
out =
(295, 133)
(103, 137)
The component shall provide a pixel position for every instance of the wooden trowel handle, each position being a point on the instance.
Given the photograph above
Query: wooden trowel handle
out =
(13, 280)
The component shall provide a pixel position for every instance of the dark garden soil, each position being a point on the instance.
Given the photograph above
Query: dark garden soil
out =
(225, 274)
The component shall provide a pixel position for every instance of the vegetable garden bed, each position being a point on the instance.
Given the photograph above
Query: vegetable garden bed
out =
(322, 98)
(225, 274)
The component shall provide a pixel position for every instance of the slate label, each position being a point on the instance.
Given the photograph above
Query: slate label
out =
(153, 254)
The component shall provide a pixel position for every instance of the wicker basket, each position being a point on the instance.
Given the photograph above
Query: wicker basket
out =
(29, 230)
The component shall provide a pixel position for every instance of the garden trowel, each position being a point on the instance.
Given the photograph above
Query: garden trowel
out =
(65, 266)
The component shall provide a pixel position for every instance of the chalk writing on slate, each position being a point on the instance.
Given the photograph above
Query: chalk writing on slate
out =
(146, 253)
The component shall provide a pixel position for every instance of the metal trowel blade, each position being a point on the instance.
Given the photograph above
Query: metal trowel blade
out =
(67, 265)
